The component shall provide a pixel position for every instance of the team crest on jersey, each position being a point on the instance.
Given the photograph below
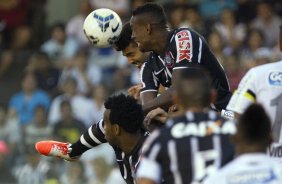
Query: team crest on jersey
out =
(168, 60)
(275, 78)
(184, 45)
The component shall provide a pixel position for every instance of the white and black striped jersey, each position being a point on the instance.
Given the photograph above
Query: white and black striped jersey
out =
(184, 47)
(187, 149)
(95, 136)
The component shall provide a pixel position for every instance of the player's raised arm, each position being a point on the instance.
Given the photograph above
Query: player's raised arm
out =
(151, 100)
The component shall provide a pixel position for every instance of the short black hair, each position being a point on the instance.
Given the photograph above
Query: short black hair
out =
(125, 111)
(193, 86)
(154, 11)
(124, 38)
(254, 125)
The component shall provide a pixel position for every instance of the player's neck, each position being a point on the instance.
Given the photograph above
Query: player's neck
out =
(129, 142)
(197, 109)
(243, 149)
(161, 41)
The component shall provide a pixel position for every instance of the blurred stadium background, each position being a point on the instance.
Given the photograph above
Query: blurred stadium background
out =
(53, 83)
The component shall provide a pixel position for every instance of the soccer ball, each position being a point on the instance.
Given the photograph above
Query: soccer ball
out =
(102, 27)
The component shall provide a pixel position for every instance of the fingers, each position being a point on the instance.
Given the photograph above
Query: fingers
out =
(135, 91)
(158, 114)
(172, 108)
(131, 89)
(135, 88)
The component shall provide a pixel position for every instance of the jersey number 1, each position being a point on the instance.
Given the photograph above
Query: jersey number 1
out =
(276, 129)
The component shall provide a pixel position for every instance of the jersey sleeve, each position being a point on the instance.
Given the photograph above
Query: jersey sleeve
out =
(94, 136)
(148, 80)
(245, 94)
(187, 48)
(149, 167)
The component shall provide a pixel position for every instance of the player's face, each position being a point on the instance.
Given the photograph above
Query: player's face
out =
(140, 34)
(134, 55)
(109, 129)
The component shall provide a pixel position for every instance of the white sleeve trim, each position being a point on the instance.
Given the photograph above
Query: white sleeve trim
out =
(180, 67)
(84, 142)
(149, 169)
(149, 90)
(100, 123)
(93, 136)
(200, 50)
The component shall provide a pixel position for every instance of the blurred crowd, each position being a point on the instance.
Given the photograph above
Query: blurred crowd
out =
(53, 83)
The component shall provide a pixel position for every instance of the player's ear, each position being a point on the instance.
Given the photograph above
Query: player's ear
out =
(213, 95)
(116, 129)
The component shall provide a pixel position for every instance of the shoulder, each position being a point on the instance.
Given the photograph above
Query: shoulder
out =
(152, 57)
(268, 66)
(42, 93)
(16, 98)
(221, 175)
(180, 29)
(18, 95)
(150, 61)
(266, 69)
(184, 32)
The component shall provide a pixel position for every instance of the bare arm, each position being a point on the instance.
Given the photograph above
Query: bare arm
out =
(150, 100)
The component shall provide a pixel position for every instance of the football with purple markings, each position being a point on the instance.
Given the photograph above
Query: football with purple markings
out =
(102, 27)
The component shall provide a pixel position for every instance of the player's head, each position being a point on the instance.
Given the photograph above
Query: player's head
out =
(130, 48)
(123, 115)
(192, 88)
(253, 130)
(146, 23)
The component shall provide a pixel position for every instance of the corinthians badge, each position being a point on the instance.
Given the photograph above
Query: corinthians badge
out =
(168, 60)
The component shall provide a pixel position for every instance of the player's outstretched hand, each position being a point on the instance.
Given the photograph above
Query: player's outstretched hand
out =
(55, 149)
(134, 91)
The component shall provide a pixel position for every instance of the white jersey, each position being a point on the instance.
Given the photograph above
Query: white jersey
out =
(255, 168)
(263, 85)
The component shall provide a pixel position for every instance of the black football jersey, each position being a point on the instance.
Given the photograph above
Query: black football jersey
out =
(127, 162)
(184, 47)
(188, 148)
